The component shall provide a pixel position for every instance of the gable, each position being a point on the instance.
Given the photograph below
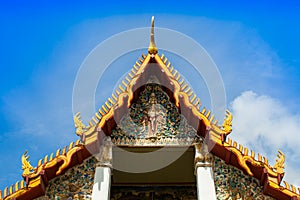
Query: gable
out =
(153, 120)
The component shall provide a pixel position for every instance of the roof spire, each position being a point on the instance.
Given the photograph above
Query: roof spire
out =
(152, 47)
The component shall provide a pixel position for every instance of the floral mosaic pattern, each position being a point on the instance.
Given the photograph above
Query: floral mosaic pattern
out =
(157, 193)
(153, 118)
(75, 184)
(232, 184)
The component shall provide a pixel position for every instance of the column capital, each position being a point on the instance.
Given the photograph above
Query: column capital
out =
(204, 172)
(202, 157)
(105, 155)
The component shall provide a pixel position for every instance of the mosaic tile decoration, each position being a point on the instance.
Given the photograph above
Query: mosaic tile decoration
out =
(232, 184)
(153, 120)
(75, 184)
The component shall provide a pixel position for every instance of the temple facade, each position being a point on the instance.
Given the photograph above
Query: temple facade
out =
(153, 140)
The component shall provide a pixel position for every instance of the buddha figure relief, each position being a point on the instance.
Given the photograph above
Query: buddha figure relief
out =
(155, 119)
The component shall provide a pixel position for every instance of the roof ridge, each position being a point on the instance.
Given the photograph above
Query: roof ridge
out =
(14, 188)
(193, 99)
(242, 154)
(114, 97)
(125, 88)
(46, 162)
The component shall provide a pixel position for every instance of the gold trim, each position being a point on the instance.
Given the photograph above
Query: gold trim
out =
(26, 166)
(279, 165)
(80, 127)
(227, 124)
(243, 157)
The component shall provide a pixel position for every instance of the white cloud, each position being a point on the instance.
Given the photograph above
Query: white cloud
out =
(266, 125)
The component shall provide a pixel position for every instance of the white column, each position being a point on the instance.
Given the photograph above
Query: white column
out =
(204, 173)
(102, 178)
(101, 187)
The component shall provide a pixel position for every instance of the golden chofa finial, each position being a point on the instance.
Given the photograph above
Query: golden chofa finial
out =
(80, 127)
(26, 166)
(152, 47)
(227, 124)
(279, 165)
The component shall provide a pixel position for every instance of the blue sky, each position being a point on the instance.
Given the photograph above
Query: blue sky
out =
(255, 45)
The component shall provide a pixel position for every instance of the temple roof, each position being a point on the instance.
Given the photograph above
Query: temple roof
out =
(35, 179)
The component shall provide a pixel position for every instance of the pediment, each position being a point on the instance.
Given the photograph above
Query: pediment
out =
(153, 120)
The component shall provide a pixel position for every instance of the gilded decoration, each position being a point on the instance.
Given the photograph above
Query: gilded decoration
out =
(75, 184)
(232, 184)
(153, 119)
(279, 165)
(154, 192)
(26, 166)
(80, 127)
(227, 124)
